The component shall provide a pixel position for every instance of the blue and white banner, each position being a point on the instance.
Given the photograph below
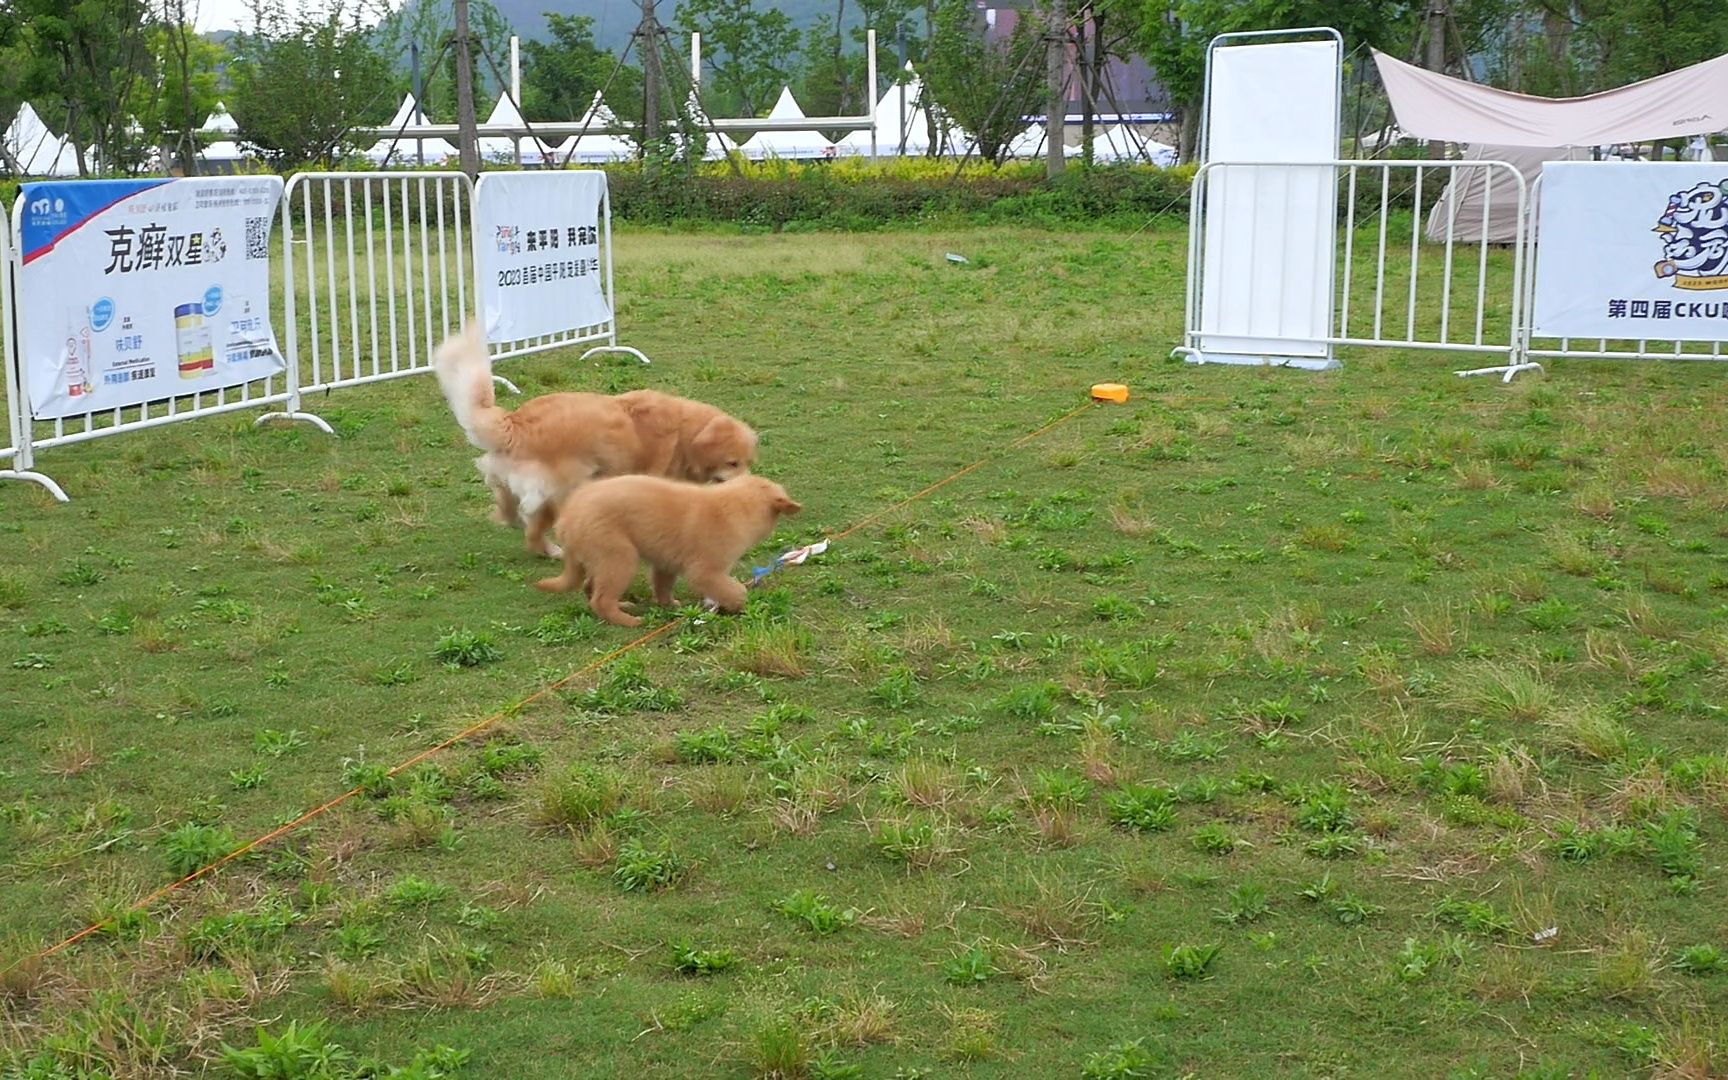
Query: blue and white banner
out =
(537, 247)
(140, 290)
(1633, 250)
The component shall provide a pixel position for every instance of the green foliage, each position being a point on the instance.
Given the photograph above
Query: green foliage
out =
(814, 910)
(690, 960)
(193, 846)
(304, 1052)
(1130, 1059)
(80, 63)
(641, 868)
(1190, 961)
(180, 87)
(852, 195)
(579, 798)
(1146, 807)
(1701, 960)
(287, 98)
(748, 50)
(970, 967)
(985, 85)
(463, 647)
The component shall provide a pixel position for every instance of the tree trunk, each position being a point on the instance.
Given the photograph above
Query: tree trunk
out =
(470, 149)
(650, 78)
(1436, 59)
(1188, 120)
(1088, 96)
(839, 65)
(1056, 111)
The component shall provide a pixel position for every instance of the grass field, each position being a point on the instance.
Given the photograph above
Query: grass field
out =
(1362, 723)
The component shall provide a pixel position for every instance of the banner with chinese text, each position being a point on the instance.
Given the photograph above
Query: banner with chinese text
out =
(1633, 250)
(537, 248)
(140, 290)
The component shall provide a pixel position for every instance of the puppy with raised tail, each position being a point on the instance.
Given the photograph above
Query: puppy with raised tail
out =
(690, 531)
(555, 443)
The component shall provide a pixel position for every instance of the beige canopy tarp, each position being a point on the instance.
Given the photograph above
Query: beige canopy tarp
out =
(1691, 101)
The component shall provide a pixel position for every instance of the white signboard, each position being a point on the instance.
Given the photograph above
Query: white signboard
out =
(537, 247)
(1633, 250)
(1270, 231)
(140, 290)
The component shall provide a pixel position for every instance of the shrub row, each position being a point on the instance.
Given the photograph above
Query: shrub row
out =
(854, 194)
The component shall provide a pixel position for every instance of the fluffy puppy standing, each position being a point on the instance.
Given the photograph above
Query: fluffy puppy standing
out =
(555, 443)
(697, 532)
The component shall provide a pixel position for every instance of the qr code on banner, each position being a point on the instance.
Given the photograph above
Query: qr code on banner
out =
(257, 238)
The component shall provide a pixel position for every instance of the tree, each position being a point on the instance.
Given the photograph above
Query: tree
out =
(300, 85)
(1173, 35)
(751, 52)
(78, 60)
(560, 76)
(1593, 45)
(429, 27)
(987, 87)
(180, 89)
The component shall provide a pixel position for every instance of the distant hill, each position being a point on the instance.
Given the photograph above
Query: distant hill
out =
(615, 19)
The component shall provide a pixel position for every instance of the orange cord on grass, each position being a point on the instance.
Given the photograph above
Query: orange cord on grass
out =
(481, 725)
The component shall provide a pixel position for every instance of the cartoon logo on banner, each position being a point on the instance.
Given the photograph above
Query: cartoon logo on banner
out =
(1694, 231)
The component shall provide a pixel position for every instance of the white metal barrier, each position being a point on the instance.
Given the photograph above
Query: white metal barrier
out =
(29, 435)
(1391, 286)
(375, 270)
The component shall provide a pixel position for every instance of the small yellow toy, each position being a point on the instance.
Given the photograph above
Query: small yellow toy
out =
(1110, 391)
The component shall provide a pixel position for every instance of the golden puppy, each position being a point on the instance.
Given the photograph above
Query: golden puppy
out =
(697, 532)
(555, 443)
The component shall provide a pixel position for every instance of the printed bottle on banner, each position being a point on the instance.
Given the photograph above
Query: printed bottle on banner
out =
(192, 341)
(78, 365)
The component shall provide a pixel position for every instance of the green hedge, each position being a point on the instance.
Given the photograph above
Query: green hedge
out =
(856, 196)
(816, 197)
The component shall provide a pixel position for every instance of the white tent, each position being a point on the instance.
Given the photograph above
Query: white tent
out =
(403, 149)
(719, 144)
(502, 148)
(38, 151)
(901, 101)
(1482, 204)
(787, 144)
(222, 154)
(1031, 143)
(1121, 142)
(220, 122)
(597, 148)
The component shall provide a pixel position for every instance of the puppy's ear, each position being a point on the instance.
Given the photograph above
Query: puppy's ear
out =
(784, 505)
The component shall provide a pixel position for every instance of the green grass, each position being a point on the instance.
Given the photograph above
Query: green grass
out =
(1268, 718)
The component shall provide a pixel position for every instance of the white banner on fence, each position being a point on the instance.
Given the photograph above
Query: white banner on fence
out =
(139, 290)
(1633, 250)
(1270, 232)
(537, 248)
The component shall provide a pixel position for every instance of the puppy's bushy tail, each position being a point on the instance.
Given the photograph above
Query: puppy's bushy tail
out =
(465, 375)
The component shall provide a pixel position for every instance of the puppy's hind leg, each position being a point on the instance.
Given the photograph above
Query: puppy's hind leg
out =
(609, 575)
(570, 579)
(505, 508)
